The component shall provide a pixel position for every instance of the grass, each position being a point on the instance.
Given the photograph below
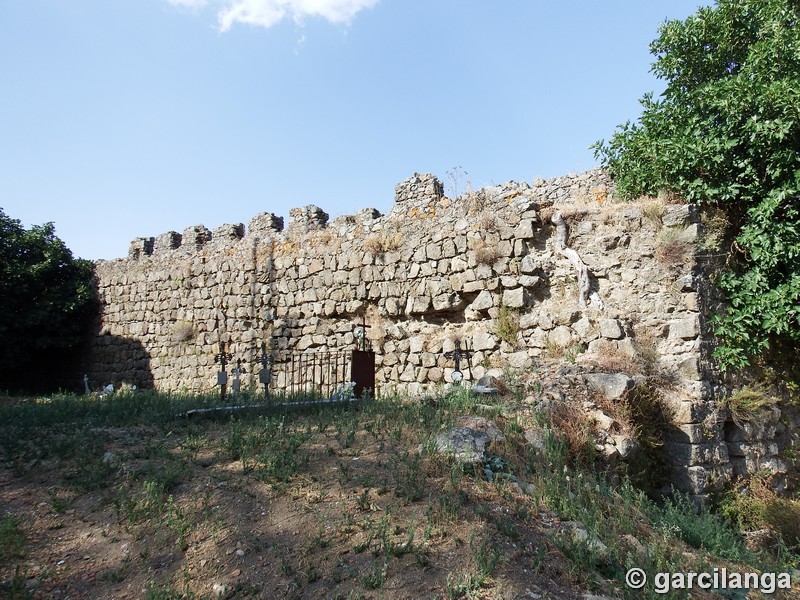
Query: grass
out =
(746, 403)
(507, 325)
(333, 503)
(12, 540)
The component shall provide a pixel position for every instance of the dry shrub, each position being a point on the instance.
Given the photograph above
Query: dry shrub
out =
(322, 236)
(716, 228)
(746, 404)
(755, 504)
(674, 247)
(487, 222)
(546, 213)
(671, 197)
(478, 201)
(609, 359)
(653, 210)
(486, 254)
(507, 325)
(373, 245)
(388, 240)
(783, 515)
(570, 421)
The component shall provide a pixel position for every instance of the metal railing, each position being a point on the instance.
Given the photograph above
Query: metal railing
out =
(320, 374)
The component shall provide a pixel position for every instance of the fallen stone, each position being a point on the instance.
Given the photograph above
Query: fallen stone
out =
(482, 424)
(486, 385)
(602, 420)
(626, 445)
(536, 438)
(464, 444)
(611, 385)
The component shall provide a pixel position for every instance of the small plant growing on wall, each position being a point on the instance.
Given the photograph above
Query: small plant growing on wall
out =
(675, 247)
(486, 254)
(385, 241)
(507, 325)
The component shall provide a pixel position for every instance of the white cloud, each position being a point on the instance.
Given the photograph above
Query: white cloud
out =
(266, 13)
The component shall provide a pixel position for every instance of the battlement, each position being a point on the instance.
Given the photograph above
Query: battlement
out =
(420, 194)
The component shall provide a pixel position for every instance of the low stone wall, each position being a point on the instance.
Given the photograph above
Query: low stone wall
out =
(482, 268)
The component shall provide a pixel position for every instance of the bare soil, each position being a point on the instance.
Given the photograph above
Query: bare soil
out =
(137, 513)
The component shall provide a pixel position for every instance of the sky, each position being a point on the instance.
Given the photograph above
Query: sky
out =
(130, 118)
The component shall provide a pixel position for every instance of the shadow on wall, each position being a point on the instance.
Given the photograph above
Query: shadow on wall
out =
(118, 361)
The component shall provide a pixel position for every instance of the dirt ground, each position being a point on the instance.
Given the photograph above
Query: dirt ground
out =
(141, 514)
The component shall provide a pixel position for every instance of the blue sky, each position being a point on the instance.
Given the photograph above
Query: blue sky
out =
(128, 118)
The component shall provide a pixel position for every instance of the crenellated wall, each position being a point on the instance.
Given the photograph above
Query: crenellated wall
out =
(484, 268)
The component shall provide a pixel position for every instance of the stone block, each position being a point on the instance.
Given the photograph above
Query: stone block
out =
(483, 301)
(685, 329)
(685, 412)
(677, 215)
(446, 302)
(519, 360)
(583, 327)
(416, 344)
(611, 329)
(695, 454)
(693, 433)
(529, 281)
(417, 305)
(509, 281)
(701, 479)
(474, 286)
(526, 229)
(516, 298)
(561, 336)
(484, 341)
(527, 265)
(690, 369)
(611, 385)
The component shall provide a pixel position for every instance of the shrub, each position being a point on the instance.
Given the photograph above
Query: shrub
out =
(725, 133)
(47, 303)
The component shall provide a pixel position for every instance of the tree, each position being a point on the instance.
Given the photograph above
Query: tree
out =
(726, 133)
(46, 305)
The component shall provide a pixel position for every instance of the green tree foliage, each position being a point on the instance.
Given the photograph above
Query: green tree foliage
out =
(726, 132)
(46, 305)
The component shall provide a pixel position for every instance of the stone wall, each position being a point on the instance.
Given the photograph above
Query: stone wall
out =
(482, 268)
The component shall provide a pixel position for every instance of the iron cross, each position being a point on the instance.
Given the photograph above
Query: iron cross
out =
(222, 377)
(457, 354)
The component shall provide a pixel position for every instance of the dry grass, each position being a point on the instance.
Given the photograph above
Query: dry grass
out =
(653, 210)
(675, 247)
(485, 253)
(575, 426)
(387, 240)
(487, 222)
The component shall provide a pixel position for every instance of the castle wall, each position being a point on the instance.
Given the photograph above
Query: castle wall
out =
(483, 268)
